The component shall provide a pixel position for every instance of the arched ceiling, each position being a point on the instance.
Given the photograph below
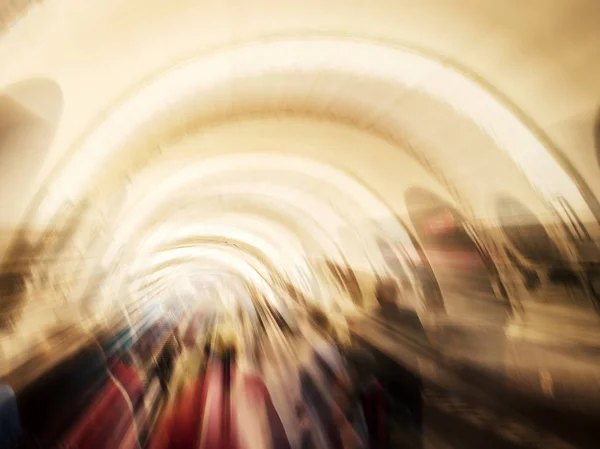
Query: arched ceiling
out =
(501, 43)
(253, 140)
(397, 68)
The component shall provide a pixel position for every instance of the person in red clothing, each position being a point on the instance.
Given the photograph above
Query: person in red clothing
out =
(182, 424)
(126, 371)
(219, 408)
(257, 422)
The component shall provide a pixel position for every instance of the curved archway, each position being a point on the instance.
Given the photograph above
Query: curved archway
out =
(395, 64)
(315, 52)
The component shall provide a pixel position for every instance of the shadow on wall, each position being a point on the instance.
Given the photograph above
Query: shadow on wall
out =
(30, 112)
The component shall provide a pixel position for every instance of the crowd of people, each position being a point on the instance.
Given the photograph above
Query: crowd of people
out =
(229, 382)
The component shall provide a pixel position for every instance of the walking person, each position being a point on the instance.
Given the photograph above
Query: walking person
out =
(166, 360)
(399, 376)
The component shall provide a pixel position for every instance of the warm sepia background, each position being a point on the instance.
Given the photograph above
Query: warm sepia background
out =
(181, 157)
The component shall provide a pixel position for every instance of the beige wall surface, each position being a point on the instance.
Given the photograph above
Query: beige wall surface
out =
(544, 58)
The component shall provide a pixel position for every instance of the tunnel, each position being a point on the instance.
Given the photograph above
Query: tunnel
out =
(266, 166)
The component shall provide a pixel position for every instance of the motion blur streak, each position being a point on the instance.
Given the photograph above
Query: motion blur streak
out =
(299, 224)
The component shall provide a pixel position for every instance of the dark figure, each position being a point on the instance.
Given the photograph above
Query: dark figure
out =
(328, 399)
(10, 422)
(205, 413)
(166, 360)
(180, 423)
(400, 378)
(50, 404)
(369, 393)
(307, 440)
(321, 407)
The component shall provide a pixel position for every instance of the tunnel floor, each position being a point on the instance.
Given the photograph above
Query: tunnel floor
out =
(124, 394)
